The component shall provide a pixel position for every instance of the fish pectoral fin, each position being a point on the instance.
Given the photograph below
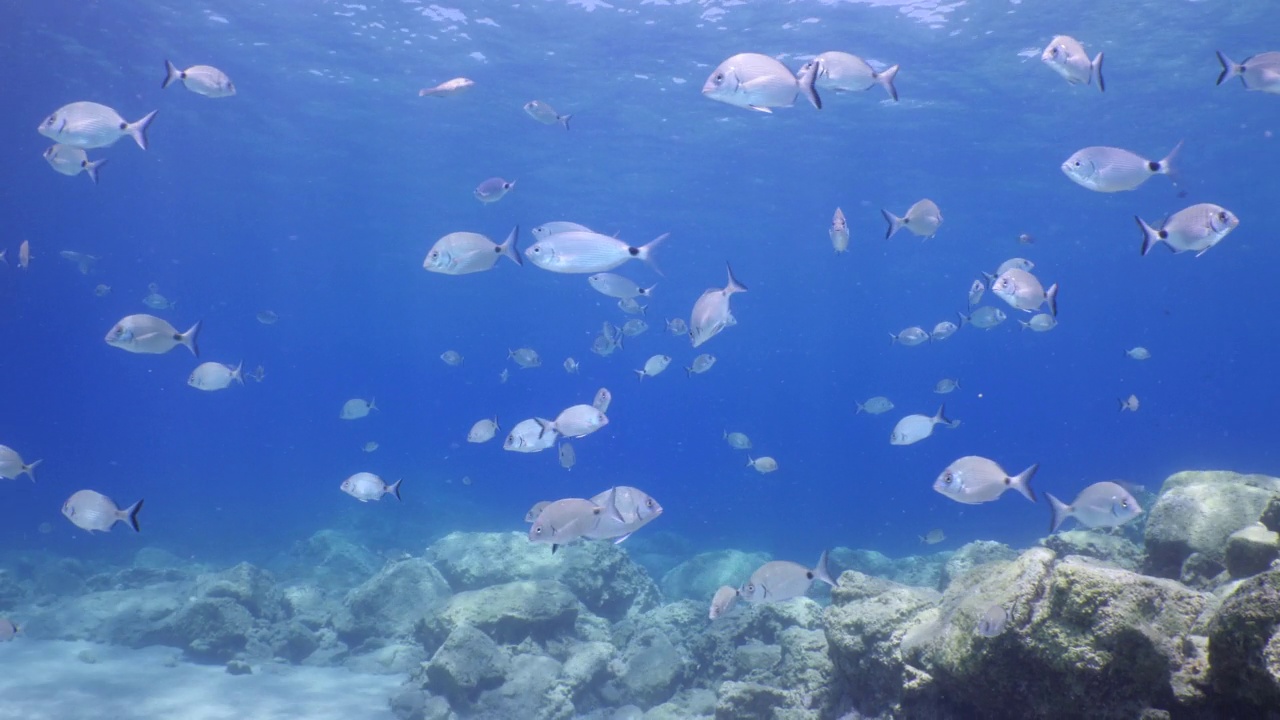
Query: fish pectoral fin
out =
(761, 109)
(619, 540)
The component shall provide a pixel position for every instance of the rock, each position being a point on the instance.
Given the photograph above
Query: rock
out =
(249, 586)
(918, 570)
(1202, 572)
(587, 666)
(210, 630)
(508, 613)
(756, 658)
(653, 671)
(238, 667)
(971, 555)
(332, 559)
(1251, 550)
(528, 693)
(468, 663)
(748, 701)
(1244, 648)
(1115, 549)
(699, 577)
(390, 603)
(154, 558)
(1197, 511)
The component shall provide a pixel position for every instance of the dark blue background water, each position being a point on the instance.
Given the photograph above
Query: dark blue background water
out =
(317, 191)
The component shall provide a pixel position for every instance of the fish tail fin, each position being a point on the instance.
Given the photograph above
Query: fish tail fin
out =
(640, 373)
(688, 372)
(394, 488)
(509, 249)
(373, 404)
(1095, 70)
(138, 130)
(546, 426)
(942, 419)
(1061, 511)
(964, 319)
(30, 469)
(648, 292)
(750, 461)
(856, 412)
(895, 223)
(496, 426)
(885, 78)
(1150, 236)
(1051, 297)
(1024, 324)
(808, 86)
(238, 374)
(130, 515)
(564, 120)
(822, 572)
(1022, 482)
(1230, 69)
(190, 337)
(1166, 167)
(893, 338)
(91, 168)
(172, 74)
(734, 286)
(645, 252)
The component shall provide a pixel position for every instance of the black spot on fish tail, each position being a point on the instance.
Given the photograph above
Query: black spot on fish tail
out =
(124, 126)
(1153, 166)
(633, 251)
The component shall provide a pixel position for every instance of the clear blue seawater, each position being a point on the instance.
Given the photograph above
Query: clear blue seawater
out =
(317, 190)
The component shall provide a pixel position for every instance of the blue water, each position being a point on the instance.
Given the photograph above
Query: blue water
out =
(317, 190)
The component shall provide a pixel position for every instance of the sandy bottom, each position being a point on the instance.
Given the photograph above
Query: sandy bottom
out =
(48, 680)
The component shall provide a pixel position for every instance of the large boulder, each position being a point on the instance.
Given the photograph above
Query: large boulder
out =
(1195, 514)
(538, 610)
(699, 577)
(918, 570)
(1244, 649)
(390, 603)
(1251, 550)
(1101, 545)
(468, 663)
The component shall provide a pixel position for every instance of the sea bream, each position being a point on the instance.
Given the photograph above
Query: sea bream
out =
(365, 486)
(654, 366)
(579, 421)
(93, 511)
(626, 510)
(839, 232)
(565, 520)
(448, 88)
(1066, 56)
(1109, 169)
(212, 376)
(558, 226)
(759, 82)
(843, 71)
(1260, 72)
(617, 286)
(711, 312)
(11, 464)
(923, 219)
(493, 190)
(972, 480)
(531, 435)
(1193, 229)
(1104, 504)
(914, 428)
(483, 430)
(462, 253)
(723, 601)
(150, 335)
(545, 114)
(356, 408)
(602, 400)
(781, 580)
(203, 80)
(88, 125)
(578, 251)
(1023, 291)
(72, 161)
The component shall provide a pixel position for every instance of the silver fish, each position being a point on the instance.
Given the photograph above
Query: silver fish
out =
(723, 601)
(737, 440)
(654, 365)
(914, 428)
(629, 305)
(1104, 504)
(1044, 322)
(842, 71)
(1195, 229)
(923, 219)
(617, 286)
(603, 346)
(8, 629)
(88, 125)
(910, 336)
(763, 465)
(502, 376)
(711, 312)
(875, 406)
(1023, 291)
(626, 510)
(579, 420)
(759, 82)
(1130, 403)
(200, 79)
(268, 317)
(493, 189)
(84, 262)
(571, 366)
(536, 510)
(156, 301)
(356, 408)
(1066, 56)
(577, 251)
(985, 317)
(483, 430)
(1011, 263)
(632, 328)
(992, 622)
(530, 436)
(451, 357)
(943, 330)
(461, 253)
(91, 510)
(212, 376)
(525, 357)
(568, 458)
(975, 292)
(545, 114)
(972, 480)
(1108, 169)
(602, 400)
(150, 335)
(72, 161)
(448, 88)
(933, 537)
(558, 226)
(11, 464)
(839, 232)
(946, 385)
(365, 486)
(677, 327)
(1260, 72)
(781, 580)
(565, 520)
(1138, 353)
(701, 364)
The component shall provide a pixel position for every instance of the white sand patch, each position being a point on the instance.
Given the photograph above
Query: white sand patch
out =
(46, 680)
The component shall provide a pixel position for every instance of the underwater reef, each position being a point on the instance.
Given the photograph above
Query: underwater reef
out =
(1176, 617)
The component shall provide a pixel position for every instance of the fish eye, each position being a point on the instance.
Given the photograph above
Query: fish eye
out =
(537, 529)
(946, 479)
(719, 78)
(1124, 504)
(1054, 52)
(1077, 163)
(1222, 216)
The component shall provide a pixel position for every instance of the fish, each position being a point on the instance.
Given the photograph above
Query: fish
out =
(150, 335)
(923, 219)
(781, 580)
(933, 537)
(1130, 403)
(200, 79)
(1103, 504)
(759, 82)
(603, 400)
(451, 358)
(842, 71)
(84, 262)
(210, 376)
(577, 251)
(992, 622)
(946, 385)
(677, 327)
(629, 305)
(483, 430)
(257, 374)
(763, 465)
(502, 376)
(536, 510)
(525, 357)
(568, 458)
(72, 161)
(1011, 263)
(603, 346)
(737, 440)
(579, 421)
(369, 446)
(88, 125)
(102, 290)
(632, 328)
(563, 521)
(975, 292)
(556, 227)
(972, 480)
(626, 510)
(723, 601)
(1196, 229)
(711, 312)
(701, 364)
(356, 408)
(1043, 322)
(571, 366)
(914, 428)
(1026, 239)
(1109, 169)
(1023, 291)
(985, 317)
(365, 486)
(24, 254)
(1066, 56)
(463, 253)
(545, 114)
(493, 189)
(448, 88)
(654, 365)
(466, 480)
(1259, 72)
(943, 330)
(1138, 353)
(910, 337)
(8, 629)
(875, 406)
(267, 317)
(156, 301)
(839, 232)
(531, 436)
(11, 464)
(91, 510)
(617, 286)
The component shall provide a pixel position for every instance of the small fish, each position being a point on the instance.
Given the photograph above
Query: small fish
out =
(723, 601)
(875, 406)
(571, 366)
(933, 537)
(565, 520)
(1108, 169)
(842, 71)
(701, 364)
(1138, 353)
(654, 365)
(200, 79)
(975, 292)
(365, 486)
(568, 458)
(759, 82)
(483, 430)
(711, 312)
(466, 480)
(1066, 56)
(536, 510)
(839, 232)
(369, 446)
(88, 125)
(530, 436)
(629, 305)
(24, 254)
(972, 480)
(84, 262)
(632, 328)
(943, 330)
(258, 374)
(72, 161)
(1130, 403)
(102, 290)
(603, 346)
(502, 376)
(946, 385)
(578, 251)
(914, 428)
(677, 327)
(1260, 72)
(910, 336)
(1104, 504)
(267, 317)
(626, 509)
(356, 408)
(90, 510)
(602, 400)
(556, 227)
(737, 440)
(210, 376)
(1025, 239)
(617, 286)
(1043, 322)
(151, 335)
(763, 465)
(462, 253)
(579, 421)
(451, 358)
(1011, 263)
(493, 189)
(1023, 291)
(923, 219)
(156, 301)
(525, 357)
(448, 88)
(1196, 229)
(11, 464)
(985, 317)
(992, 622)
(781, 580)
(545, 114)
(8, 629)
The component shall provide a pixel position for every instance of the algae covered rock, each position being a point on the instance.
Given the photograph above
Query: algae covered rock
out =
(971, 555)
(468, 663)
(508, 613)
(918, 570)
(1197, 511)
(391, 602)
(1244, 648)
(1101, 545)
(698, 577)
(1251, 550)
